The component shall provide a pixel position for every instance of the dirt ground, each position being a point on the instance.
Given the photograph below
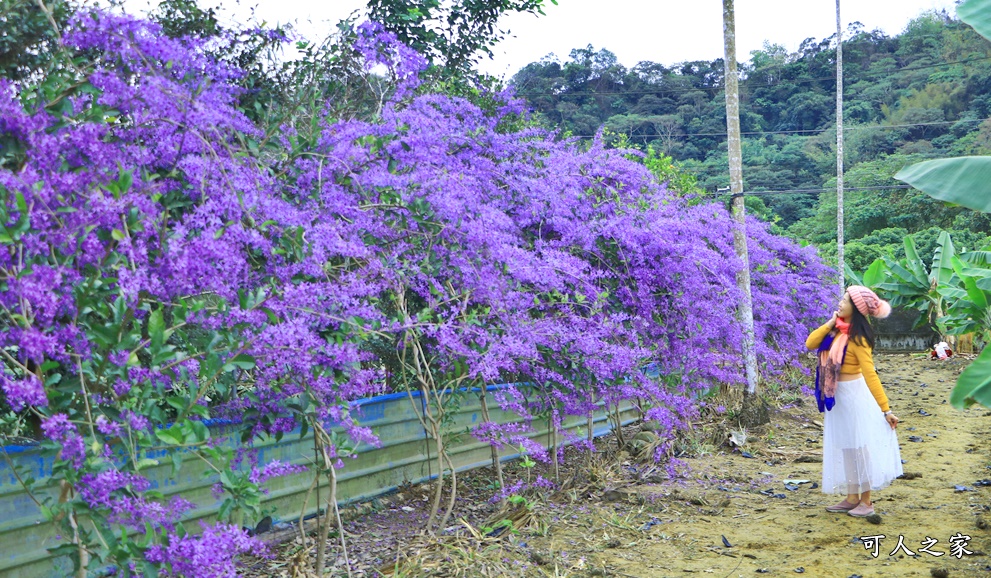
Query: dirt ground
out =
(734, 511)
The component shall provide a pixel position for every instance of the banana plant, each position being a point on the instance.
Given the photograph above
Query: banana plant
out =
(908, 283)
(871, 278)
(969, 295)
(964, 181)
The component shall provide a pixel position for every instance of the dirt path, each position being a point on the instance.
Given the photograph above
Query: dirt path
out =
(627, 519)
(788, 532)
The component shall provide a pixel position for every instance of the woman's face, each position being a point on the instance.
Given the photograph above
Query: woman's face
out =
(845, 309)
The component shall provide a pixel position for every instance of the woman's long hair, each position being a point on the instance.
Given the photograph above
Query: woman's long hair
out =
(860, 329)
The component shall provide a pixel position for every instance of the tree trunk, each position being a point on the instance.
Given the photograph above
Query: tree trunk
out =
(322, 441)
(439, 489)
(839, 149)
(496, 462)
(557, 468)
(745, 311)
(332, 502)
(454, 494)
(618, 421)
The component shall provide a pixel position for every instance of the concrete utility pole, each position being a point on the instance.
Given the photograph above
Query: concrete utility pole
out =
(839, 149)
(754, 412)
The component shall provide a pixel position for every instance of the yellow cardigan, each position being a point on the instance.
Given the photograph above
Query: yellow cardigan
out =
(859, 359)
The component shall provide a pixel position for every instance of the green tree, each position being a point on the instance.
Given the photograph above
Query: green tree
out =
(453, 35)
(30, 38)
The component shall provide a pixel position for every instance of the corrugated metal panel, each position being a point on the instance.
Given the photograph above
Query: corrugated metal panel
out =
(403, 456)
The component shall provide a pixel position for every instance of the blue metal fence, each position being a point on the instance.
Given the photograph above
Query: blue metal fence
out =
(404, 456)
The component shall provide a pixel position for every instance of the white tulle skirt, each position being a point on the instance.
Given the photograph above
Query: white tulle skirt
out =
(859, 449)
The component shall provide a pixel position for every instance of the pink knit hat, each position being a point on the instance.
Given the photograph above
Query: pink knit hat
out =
(867, 302)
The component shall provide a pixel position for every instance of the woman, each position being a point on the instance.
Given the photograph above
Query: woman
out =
(859, 445)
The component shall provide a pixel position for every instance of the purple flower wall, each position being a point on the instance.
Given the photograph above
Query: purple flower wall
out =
(155, 269)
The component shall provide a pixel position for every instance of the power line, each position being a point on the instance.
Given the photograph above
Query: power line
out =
(810, 191)
(660, 91)
(800, 131)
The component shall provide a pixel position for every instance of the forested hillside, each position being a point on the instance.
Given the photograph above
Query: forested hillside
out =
(925, 93)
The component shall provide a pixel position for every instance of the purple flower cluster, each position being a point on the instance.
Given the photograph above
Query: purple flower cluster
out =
(22, 393)
(59, 429)
(378, 46)
(209, 555)
(167, 263)
(273, 469)
(98, 489)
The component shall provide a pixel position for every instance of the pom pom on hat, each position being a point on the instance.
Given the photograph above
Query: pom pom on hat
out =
(867, 302)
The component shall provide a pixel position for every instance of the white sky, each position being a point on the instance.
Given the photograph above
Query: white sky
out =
(635, 30)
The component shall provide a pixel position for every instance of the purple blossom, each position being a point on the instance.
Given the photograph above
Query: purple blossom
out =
(210, 555)
(273, 469)
(135, 421)
(98, 490)
(563, 266)
(23, 393)
(107, 427)
(59, 429)
(381, 47)
(119, 358)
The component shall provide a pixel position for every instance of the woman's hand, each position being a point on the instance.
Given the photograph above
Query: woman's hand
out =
(892, 420)
(832, 320)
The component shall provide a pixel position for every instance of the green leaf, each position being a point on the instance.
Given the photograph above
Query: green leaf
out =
(125, 181)
(272, 317)
(977, 258)
(963, 181)
(977, 13)
(875, 274)
(852, 276)
(20, 202)
(242, 361)
(145, 462)
(942, 269)
(156, 329)
(974, 293)
(200, 410)
(974, 384)
(172, 436)
(117, 235)
(177, 402)
(199, 431)
(912, 260)
(952, 293)
(907, 278)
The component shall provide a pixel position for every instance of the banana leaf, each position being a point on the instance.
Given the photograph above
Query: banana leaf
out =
(974, 384)
(963, 181)
(977, 258)
(852, 277)
(952, 293)
(912, 260)
(872, 277)
(912, 282)
(942, 269)
(977, 13)
(974, 293)
(975, 272)
(875, 273)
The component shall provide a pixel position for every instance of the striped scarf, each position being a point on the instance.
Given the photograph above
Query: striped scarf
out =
(831, 352)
